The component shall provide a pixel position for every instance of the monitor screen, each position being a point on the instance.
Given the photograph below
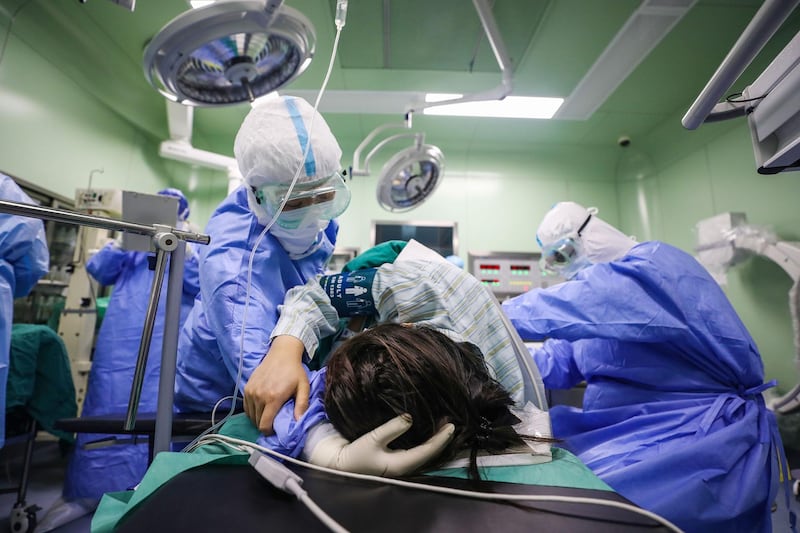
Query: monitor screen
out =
(441, 237)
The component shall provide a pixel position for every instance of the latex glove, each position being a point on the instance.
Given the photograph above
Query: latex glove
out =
(370, 454)
(279, 377)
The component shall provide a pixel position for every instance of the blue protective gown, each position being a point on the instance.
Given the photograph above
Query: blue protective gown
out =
(673, 416)
(24, 258)
(91, 473)
(210, 343)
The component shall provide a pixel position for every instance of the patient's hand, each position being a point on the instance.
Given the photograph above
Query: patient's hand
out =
(280, 376)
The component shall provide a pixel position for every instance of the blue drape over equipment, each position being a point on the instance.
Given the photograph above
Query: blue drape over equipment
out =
(92, 472)
(24, 258)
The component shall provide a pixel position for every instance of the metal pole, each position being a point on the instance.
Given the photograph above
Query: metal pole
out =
(500, 54)
(144, 345)
(70, 217)
(169, 351)
(765, 23)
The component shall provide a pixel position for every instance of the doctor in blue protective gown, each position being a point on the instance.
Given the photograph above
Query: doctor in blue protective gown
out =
(279, 139)
(673, 417)
(92, 472)
(24, 258)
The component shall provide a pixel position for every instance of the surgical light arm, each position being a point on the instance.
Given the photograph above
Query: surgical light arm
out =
(166, 240)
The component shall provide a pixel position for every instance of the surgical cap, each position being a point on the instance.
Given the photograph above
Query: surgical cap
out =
(601, 241)
(273, 137)
(183, 203)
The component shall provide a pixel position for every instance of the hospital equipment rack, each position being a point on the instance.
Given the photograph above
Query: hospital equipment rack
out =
(168, 242)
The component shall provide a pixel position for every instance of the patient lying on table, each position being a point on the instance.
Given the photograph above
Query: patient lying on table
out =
(440, 353)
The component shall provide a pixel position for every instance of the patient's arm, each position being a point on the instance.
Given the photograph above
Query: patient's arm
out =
(279, 377)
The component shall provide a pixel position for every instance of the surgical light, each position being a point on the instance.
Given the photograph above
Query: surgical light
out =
(508, 107)
(229, 52)
(409, 177)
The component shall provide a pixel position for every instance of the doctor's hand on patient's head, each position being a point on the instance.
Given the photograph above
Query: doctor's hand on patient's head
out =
(370, 453)
(279, 377)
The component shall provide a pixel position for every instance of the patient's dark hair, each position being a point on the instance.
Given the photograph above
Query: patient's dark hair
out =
(393, 369)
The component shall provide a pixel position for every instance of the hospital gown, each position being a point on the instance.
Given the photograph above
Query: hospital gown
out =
(673, 416)
(210, 342)
(434, 294)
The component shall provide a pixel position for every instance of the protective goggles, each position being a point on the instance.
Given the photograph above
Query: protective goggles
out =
(307, 203)
(565, 257)
(560, 256)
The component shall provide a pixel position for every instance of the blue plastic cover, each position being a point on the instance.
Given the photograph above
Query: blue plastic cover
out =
(24, 259)
(92, 472)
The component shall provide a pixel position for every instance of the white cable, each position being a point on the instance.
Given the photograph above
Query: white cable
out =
(318, 512)
(238, 444)
(216, 405)
(284, 479)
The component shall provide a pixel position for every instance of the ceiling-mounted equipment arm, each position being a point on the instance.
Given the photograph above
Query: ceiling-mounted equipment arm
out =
(501, 55)
(418, 140)
(765, 23)
(179, 147)
(356, 169)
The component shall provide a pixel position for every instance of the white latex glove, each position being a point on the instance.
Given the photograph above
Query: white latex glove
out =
(370, 453)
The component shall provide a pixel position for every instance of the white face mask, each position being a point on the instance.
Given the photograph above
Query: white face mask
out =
(300, 242)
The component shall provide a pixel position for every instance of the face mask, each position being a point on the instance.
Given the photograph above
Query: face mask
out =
(300, 242)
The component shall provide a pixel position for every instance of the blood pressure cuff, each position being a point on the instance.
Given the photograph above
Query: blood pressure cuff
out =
(351, 292)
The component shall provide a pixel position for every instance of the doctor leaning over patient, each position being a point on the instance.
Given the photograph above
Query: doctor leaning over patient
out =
(673, 417)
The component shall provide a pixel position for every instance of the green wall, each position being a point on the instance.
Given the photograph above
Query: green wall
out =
(698, 174)
(496, 198)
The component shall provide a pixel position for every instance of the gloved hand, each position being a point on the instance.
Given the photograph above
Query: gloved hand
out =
(370, 454)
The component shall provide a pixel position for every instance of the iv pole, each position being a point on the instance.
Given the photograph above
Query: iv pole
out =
(166, 240)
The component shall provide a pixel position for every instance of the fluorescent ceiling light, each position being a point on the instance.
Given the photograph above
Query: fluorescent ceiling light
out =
(509, 107)
(641, 33)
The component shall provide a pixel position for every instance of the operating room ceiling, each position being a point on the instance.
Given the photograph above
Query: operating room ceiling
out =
(417, 45)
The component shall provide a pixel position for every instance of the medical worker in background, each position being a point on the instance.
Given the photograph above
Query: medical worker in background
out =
(673, 417)
(280, 138)
(24, 258)
(95, 471)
